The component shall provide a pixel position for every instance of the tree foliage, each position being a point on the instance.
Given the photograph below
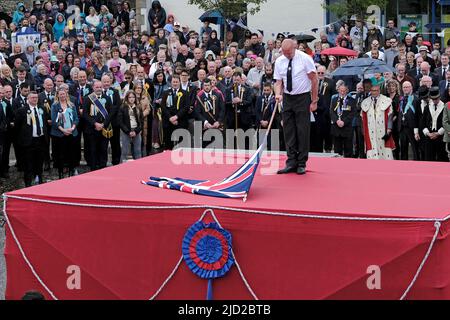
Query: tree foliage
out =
(346, 9)
(230, 8)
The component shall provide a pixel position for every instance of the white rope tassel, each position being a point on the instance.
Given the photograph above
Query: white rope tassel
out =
(437, 225)
(168, 279)
(23, 253)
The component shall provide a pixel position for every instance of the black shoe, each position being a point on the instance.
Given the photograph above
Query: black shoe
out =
(301, 170)
(286, 170)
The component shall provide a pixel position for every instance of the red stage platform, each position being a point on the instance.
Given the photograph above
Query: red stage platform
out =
(316, 236)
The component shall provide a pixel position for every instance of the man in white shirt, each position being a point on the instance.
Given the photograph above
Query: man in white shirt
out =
(255, 74)
(297, 87)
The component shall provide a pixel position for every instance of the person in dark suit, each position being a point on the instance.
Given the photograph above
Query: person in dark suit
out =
(441, 71)
(264, 108)
(357, 121)
(406, 122)
(80, 91)
(342, 112)
(174, 108)
(30, 122)
(114, 96)
(18, 103)
(21, 78)
(423, 95)
(210, 111)
(7, 129)
(46, 98)
(321, 138)
(239, 105)
(98, 128)
(425, 71)
(227, 82)
(432, 128)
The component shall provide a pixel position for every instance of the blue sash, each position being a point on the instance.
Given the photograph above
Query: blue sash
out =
(99, 105)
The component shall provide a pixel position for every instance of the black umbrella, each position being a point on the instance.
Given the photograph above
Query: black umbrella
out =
(304, 38)
(213, 16)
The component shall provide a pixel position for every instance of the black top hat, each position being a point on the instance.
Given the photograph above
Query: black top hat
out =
(423, 92)
(434, 93)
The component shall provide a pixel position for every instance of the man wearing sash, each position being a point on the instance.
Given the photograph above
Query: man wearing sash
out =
(342, 112)
(30, 122)
(175, 109)
(406, 122)
(209, 109)
(97, 112)
(114, 96)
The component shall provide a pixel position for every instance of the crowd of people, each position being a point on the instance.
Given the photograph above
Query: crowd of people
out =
(100, 82)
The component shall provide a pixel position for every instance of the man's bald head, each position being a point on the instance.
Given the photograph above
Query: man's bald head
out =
(288, 47)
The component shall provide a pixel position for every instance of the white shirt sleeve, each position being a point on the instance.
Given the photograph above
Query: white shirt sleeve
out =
(309, 64)
(276, 72)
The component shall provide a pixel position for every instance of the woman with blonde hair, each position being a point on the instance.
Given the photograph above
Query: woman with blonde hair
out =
(131, 122)
(6, 75)
(393, 92)
(65, 120)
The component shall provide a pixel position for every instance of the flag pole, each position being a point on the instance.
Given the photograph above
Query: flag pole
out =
(266, 136)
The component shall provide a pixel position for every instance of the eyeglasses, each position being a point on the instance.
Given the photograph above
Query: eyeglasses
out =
(375, 44)
(127, 78)
(320, 72)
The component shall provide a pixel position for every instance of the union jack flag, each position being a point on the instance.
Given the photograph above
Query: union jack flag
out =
(235, 186)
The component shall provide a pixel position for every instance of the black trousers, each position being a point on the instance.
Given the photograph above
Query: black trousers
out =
(116, 151)
(64, 153)
(296, 125)
(406, 138)
(33, 159)
(2, 143)
(98, 150)
(343, 146)
(6, 149)
(359, 142)
(435, 150)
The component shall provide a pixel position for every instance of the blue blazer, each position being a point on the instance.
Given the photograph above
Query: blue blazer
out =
(56, 108)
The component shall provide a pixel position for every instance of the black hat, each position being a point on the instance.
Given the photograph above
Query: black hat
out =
(423, 92)
(434, 93)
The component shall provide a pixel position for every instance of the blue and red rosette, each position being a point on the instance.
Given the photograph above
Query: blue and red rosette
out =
(207, 251)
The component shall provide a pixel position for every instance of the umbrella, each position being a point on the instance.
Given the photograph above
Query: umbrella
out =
(362, 66)
(339, 52)
(212, 16)
(304, 38)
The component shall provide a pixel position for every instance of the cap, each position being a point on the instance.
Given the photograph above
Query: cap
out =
(80, 34)
(423, 48)
(21, 68)
(162, 46)
(434, 93)
(423, 92)
(177, 24)
(412, 23)
(53, 59)
(37, 2)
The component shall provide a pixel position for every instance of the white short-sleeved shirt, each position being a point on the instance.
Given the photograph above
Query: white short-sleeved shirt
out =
(302, 64)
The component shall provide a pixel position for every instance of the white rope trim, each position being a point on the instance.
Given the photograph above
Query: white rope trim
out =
(437, 225)
(235, 259)
(283, 214)
(23, 253)
(168, 279)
